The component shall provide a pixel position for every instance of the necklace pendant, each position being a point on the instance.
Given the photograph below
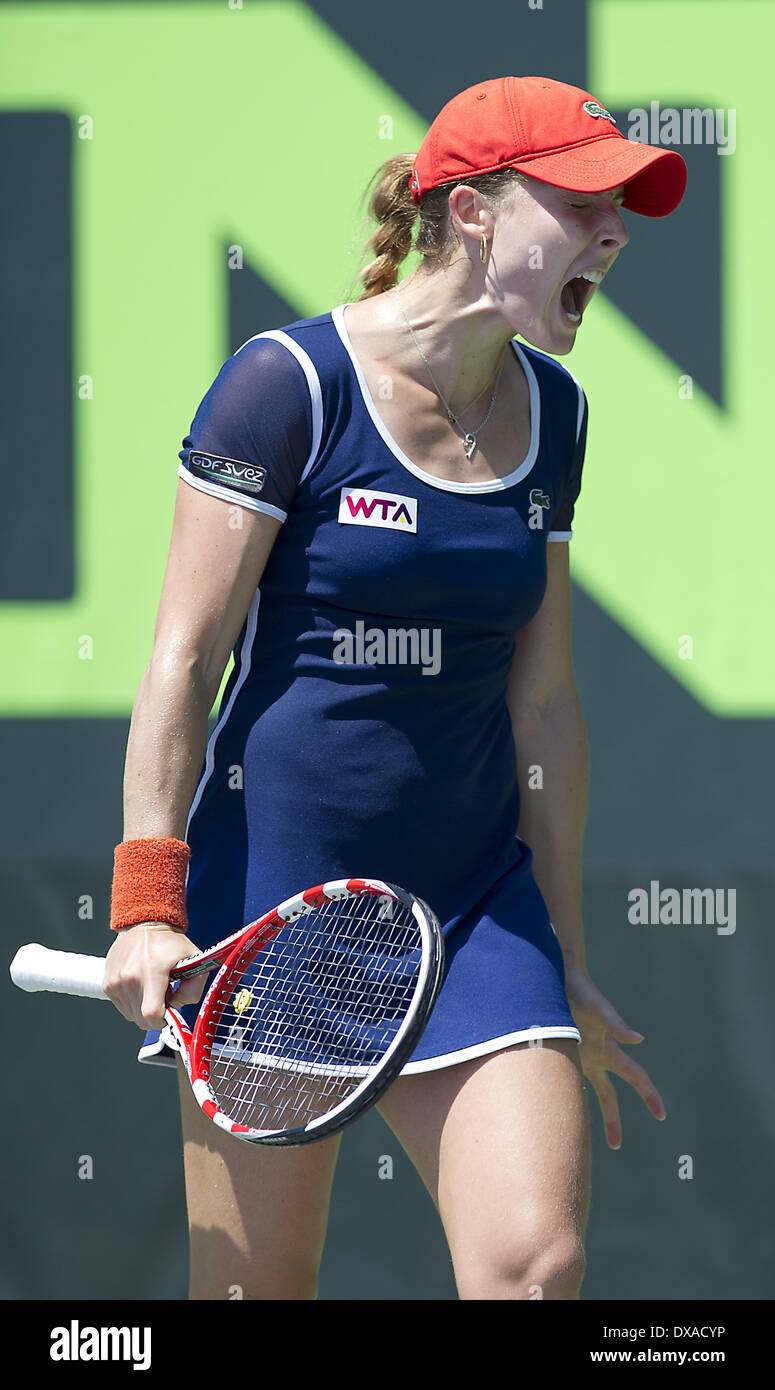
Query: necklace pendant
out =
(469, 444)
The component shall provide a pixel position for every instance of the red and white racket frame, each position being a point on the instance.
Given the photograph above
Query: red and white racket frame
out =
(35, 967)
(191, 1042)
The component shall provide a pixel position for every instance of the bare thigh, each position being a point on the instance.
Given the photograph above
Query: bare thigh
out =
(257, 1215)
(502, 1145)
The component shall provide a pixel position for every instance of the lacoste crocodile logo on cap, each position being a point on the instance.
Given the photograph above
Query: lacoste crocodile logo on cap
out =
(593, 108)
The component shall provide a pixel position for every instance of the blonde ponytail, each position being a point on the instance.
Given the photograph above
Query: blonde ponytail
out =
(392, 208)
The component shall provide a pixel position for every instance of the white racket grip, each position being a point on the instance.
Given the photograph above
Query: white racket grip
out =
(36, 967)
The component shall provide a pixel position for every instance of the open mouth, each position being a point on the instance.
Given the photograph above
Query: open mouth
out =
(575, 296)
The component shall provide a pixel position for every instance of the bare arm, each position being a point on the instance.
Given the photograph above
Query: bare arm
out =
(213, 569)
(550, 734)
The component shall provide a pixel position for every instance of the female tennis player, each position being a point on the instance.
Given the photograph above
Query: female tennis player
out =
(401, 465)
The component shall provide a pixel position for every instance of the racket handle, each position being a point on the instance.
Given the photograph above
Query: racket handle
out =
(35, 967)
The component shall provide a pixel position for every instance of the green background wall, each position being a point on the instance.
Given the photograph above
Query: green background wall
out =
(180, 176)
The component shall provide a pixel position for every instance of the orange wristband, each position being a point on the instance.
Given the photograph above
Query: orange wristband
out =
(149, 883)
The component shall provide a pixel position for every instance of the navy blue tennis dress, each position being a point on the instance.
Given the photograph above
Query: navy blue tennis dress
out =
(364, 729)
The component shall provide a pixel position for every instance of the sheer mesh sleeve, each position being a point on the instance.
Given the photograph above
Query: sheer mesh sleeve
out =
(251, 436)
(561, 521)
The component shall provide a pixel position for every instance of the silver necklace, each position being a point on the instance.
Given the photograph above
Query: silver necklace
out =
(469, 436)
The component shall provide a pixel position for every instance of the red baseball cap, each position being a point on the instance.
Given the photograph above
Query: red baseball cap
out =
(556, 133)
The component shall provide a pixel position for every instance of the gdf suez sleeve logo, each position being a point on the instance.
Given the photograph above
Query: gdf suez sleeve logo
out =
(231, 472)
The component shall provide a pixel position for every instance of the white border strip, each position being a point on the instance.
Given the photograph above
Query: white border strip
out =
(465, 1054)
(559, 535)
(496, 484)
(580, 416)
(447, 1059)
(582, 398)
(226, 494)
(154, 1052)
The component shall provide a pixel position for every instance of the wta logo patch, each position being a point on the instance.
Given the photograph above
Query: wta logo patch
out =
(360, 507)
(231, 472)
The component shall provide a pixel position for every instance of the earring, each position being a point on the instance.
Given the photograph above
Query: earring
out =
(483, 250)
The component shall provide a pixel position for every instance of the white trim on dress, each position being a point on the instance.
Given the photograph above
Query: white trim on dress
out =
(490, 485)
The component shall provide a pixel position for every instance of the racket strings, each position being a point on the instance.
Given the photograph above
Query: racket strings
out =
(313, 1013)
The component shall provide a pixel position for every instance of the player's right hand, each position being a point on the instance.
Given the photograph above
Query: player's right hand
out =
(137, 972)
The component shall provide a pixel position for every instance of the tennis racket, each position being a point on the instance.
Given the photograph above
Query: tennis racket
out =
(313, 1012)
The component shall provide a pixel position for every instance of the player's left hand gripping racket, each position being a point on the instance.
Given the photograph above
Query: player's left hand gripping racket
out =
(313, 1012)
